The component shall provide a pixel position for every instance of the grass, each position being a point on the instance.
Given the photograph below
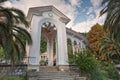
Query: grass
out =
(13, 78)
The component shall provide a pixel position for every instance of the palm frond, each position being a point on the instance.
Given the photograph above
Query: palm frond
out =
(112, 22)
(2, 1)
(17, 51)
(20, 43)
(7, 15)
(9, 19)
(20, 16)
(24, 33)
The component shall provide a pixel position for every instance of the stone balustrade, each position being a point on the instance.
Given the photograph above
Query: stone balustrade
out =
(9, 70)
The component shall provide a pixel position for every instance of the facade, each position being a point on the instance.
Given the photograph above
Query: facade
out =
(49, 22)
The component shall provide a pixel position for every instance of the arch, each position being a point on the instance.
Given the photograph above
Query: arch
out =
(60, 27)
(49, 42)
(41, 22)
(61, 40)
(75, 42)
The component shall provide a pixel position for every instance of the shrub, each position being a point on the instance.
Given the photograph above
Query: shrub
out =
(88, 65)
(111, 71)
(42, 63)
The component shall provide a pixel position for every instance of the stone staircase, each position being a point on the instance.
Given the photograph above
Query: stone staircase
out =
(52, 73)
(48, 68)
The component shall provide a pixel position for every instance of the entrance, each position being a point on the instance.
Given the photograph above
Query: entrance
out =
(48, 45)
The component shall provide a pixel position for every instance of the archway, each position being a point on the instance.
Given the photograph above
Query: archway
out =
(49, 31)
(39, 17)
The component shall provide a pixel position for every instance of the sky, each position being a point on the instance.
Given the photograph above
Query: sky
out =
(83, 13)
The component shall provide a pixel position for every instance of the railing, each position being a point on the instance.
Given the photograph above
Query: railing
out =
(10, 70)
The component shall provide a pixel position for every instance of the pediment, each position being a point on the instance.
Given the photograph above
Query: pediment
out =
(40, 10)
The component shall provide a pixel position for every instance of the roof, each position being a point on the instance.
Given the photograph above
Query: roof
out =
(77, 35)
(39, 10)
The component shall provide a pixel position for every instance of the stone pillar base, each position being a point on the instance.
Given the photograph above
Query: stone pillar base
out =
(33, 67)
(80, 78)
(63, 67)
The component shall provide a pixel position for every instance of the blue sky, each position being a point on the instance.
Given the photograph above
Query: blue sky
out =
(82, 10)
(83, 13)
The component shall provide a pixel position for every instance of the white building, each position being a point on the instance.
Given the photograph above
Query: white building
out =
(49, 22)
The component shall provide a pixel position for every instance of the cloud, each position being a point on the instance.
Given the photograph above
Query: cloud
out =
(69, 10)
(59, 4)
(75, 2)
(6, 4)
(91, 20)
(16, 4)
(90, 10)
(96, 3)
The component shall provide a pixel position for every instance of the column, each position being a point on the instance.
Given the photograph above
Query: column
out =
(48, 50)
(50, 63)
(56, 55)
(34, 50)
(62, 48)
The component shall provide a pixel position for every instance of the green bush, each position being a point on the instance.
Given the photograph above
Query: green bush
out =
(88, 65)
(111, 71)
(42, 63)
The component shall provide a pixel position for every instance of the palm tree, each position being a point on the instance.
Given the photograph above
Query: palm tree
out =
(109, 49)
(112, 22)
(2, 1)
(10, 29)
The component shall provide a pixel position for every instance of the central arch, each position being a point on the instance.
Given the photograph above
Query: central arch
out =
(50, 32)
(61, 42)
(60, 33)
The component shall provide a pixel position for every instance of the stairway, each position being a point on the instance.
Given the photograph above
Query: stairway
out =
(52, 73)
(48, 68)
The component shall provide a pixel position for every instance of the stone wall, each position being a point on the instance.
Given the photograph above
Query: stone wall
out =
(9, 70)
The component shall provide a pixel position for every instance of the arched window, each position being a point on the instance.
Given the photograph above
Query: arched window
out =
(75, 43)
(69, 46)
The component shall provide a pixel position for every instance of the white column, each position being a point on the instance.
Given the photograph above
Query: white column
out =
(34, 50)
(56, 55)
(50, 63)
(62, 45)
(48, 50)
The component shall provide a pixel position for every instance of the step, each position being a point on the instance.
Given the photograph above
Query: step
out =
(56, 79)
(52, 73)
(48, 68)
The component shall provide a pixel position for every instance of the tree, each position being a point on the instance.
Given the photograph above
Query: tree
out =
(94, 37)
(43, 45)
(112, 22)
(109, 49)
(2, 54)
(10, 21)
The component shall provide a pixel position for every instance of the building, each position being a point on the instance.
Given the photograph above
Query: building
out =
(49, 22)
